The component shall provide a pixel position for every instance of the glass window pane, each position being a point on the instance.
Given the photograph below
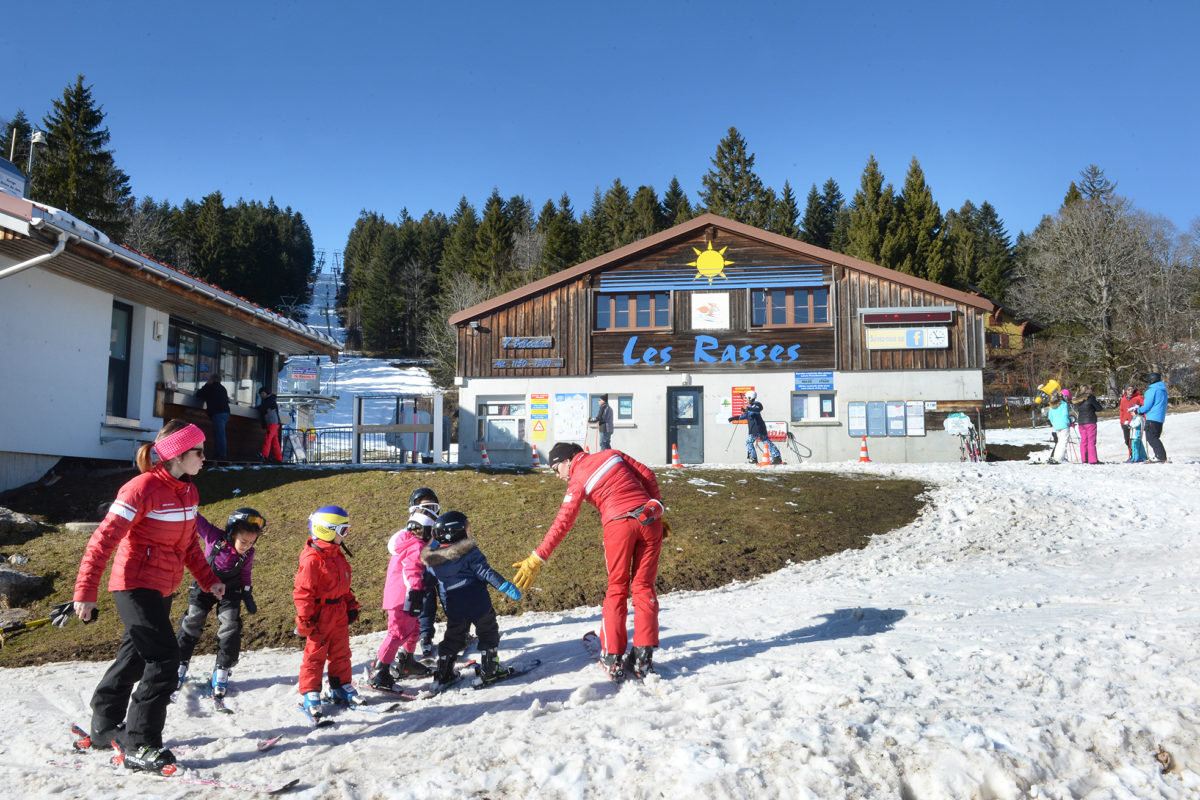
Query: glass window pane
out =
(185, 368)
(643, 311)
(821, 305)
(661, 320)
(799, 406)
(778, 307)
(249, 380)
(828, 407)
(603, 316)
(625, 406)
(800, 306)
(758, 307)
(621, 312)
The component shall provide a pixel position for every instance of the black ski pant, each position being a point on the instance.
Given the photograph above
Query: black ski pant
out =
(147, 656)
(229, 624)
(1153, 430)
(429, 608)
(455, 640)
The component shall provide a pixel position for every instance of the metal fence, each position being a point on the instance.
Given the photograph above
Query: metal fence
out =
(335, 445)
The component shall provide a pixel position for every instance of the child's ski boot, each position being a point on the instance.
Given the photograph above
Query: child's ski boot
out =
(612, 664)
(220, 682)
(150, 759)
(381, 676)
(640, 662)
(407, 666)
(346, 695)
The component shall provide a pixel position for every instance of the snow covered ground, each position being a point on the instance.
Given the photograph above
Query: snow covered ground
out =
(1031, 634)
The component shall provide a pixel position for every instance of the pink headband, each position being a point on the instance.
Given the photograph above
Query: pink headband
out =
(178, 442)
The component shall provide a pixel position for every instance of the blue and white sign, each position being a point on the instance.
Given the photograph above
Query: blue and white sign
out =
(813, 381)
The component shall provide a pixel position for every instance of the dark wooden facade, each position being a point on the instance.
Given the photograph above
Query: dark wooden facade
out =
(562, 307)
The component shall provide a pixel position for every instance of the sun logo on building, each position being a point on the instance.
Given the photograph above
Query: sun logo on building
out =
(710, 263)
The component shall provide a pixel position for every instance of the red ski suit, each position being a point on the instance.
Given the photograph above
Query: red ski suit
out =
(323, 602)
(618, 486)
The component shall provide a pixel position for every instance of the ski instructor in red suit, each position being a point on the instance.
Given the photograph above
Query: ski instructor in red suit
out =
(625, 492)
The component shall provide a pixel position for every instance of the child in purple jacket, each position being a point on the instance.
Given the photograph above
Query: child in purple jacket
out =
(230, 553)
(403, 599)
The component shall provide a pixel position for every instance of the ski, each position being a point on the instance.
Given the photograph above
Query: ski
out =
(181, 774)
(318, 720)
(435, 688)
(395, 691)
(509, 672)
(218, 702)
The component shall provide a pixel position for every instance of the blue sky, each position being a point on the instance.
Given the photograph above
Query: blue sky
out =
(332, 109)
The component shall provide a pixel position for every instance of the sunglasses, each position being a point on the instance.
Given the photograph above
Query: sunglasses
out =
(198, 451)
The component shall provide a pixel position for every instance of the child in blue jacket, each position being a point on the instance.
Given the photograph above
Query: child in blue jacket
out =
(463, 575)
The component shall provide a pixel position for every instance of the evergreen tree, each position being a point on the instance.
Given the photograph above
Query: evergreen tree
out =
(784, 219)
(380, 295)
(1094, 186)
(676, 206)
(962, 239)
(1072, 195)
(17, 133)
(648, 216)
(995, 259)
(459, 251)
(492, 259)
(211, 241)
(731, 187)
(840, 241)
(916, 245)
(561, 246)
(871, 214)
(618, 217)
(593, 228)
(73, 170)
(814, 229)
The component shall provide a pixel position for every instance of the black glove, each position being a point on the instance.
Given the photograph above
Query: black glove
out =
(731, 419)
(61, 613)
(248, 600)
(352, 615)
(414, 602)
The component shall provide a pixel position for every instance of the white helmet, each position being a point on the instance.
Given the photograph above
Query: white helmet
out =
(751, 395)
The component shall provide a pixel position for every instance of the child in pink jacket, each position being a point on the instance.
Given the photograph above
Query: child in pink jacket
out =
(403, 597)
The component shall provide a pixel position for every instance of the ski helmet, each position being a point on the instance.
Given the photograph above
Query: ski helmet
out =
(245, 518)
(751, 395)
(451, 527)
(328, 522)
(424, 498)
(1153, 377)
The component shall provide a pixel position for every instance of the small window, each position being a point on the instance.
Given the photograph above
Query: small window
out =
(814, 406)
(633, 311)
(789, 308)
(622, 406)
(501, 422)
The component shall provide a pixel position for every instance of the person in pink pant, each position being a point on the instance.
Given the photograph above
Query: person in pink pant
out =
(1086, 406)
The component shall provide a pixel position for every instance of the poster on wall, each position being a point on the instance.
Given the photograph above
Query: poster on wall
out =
(895, 418)
(570, 417)
(915, 417)
(739, 402)
(876, 418)
(539, 416)
(856, 419)
(710, 311)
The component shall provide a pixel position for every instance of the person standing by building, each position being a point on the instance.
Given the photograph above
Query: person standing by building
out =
(152, 527)
(626, 493)
(756, 429)
(604, 423)
(1155, 409)
(216, 405)
(1130, 399)
(268, 409)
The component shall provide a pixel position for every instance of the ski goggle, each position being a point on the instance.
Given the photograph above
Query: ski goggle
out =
(249, 519)
(427, 506)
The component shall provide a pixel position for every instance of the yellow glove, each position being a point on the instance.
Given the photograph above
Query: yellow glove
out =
(527, 570)
(666, 528)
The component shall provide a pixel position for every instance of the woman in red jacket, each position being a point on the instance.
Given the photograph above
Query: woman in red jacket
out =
(1130, 399)
(626, 493)
(152, 526)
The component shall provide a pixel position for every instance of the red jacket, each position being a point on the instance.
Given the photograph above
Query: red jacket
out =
(1127, 406)
(611, 481)
(322, 579)
(152, 526)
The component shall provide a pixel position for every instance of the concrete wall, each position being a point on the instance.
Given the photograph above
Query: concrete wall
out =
(54, 361)
(645, 436)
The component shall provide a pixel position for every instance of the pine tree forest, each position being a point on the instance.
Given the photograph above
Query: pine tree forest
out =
(403, 276)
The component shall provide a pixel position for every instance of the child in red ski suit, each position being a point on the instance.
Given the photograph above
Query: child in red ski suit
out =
(325, 607)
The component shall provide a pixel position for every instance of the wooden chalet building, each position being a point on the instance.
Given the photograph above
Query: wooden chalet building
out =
(674, 327)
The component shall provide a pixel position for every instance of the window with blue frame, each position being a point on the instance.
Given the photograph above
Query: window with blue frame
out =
(789, 308)
(633, 311)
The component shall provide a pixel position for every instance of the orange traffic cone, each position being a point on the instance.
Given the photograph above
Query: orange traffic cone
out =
(536, 462)
(764, 460)
(863, 458)
(675, 462)
(487, 462)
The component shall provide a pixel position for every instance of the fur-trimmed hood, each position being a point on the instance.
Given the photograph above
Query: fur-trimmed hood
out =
(435, 556)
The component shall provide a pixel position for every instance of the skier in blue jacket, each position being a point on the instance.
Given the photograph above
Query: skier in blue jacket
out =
(1154, 407)
(756, 429)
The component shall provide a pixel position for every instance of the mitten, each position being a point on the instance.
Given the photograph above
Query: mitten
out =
(248, 601)
(61, 613)
(527, 571)
(351, 615)
(414, 602)
(510, 590)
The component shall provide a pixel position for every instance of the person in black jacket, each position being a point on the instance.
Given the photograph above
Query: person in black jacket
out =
(216, 405)
(1086, 406)
(756, 430)
(268, 410)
